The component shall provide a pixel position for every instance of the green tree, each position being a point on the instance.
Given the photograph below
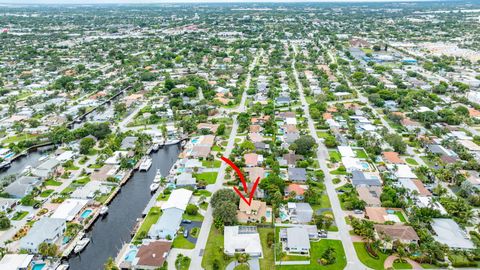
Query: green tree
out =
(191, 209)
(86, 144)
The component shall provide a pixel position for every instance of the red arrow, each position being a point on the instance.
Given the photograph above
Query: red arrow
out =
(244, 183)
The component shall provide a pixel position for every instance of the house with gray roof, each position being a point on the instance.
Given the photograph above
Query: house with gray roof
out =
(168, 224)
(22, 186)
(295, 240)
(48, 230)
(128, 142)
(363, 179)
(300, 212)
(186, 179)
(46, 169)
(297, 174)
(449, 233)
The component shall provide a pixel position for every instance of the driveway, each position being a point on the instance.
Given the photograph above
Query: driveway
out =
(253, 263)
(189, 227)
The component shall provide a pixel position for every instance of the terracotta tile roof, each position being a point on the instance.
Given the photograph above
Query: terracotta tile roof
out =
(392, 157)
(473, 113)
(251, 159)
(421, 188)
(327, 116)
(255, 128)
(298, 189)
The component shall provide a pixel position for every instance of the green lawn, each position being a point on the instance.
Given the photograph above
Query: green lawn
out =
(197, 217)
(216, 148)
(267, 261)
(182, 262)
(19, 215)
(335, 156)
(322, 134)
(82, 181)
(163, 197)
(214, 251)
(317, 249)
(400, 216)
(52, 182)
(360, 153)
(182, 242)
(368, 260)
(209, 177)
(46, 193)
(151, 218)
(411, 161)
(202, 192)
(242, 267)
(211, 163)
(401, 265)
(18, 138)
(338, 172)
(324, 203)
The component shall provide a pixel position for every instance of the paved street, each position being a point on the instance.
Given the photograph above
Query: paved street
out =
(322, 154)
(208, 219)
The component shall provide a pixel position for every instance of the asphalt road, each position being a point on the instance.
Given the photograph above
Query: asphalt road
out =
(322, 155)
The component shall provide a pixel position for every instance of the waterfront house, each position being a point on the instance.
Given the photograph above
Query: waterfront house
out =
(242, 239)
(22, 186)
(152, 255)
(297, 174)
(449, 233)
(47, 229)
(69, 209)
(186, 180)
(168, 224)
(16, 261)
(47, 168)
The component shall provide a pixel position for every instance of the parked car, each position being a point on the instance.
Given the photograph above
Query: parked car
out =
(185, 233)
(322, 234)
(357, 211)
(186, 221)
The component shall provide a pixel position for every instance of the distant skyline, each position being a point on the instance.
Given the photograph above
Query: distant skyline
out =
(29, 2)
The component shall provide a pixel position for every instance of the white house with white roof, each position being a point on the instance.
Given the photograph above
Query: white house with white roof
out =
(242, 239)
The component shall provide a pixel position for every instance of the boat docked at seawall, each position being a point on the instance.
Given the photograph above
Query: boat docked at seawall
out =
(145, 164)
(81, 245)
(154, 186)
(103, 210)
(158, 177)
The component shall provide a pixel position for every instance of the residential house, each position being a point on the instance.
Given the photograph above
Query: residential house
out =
(48, 230)
(242, 239)
(389, 234)
(370, 195)
(252, 159)
(297, 174)
(69, 209)
(152, 255)
(128, 142)
(186, 180)
(295, 240)
(167, 225)
(392, 158)
(449, 233)
(16, 261)
(300, 212)
(299, 190)
(253, 212)
(22, 186)
(46, 169)
(364, 179)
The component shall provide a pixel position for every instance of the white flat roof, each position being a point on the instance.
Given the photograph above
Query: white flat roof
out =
(404, 171)
(69, 209)
(449, 233)
(15, 261)
(235, 239)
(346, 151)
(179, 198)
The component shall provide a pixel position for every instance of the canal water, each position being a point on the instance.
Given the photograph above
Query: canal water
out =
(110, 233)
(18, 165)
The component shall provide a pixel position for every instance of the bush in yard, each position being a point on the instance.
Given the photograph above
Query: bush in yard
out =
(192, 209)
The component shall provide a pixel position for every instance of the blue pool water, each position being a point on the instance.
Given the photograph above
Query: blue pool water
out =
(283, 215)
(131, 255)
(194, 140)
(86, 213)
(390, 211)
(268, 214)
(365, 165)
(38, 266)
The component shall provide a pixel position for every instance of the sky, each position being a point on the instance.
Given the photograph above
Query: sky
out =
(175, 1)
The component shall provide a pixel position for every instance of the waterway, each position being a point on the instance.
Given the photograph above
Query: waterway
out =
(18, 165)
(110, 233)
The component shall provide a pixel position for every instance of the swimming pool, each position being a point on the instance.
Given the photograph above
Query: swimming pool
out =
(131, 255)
(268, 214)
(194, 140)
(283, 216)
(86, 213)
(365, 165)
(38, 266)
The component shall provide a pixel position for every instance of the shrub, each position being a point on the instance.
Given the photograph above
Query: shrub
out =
(371, 251)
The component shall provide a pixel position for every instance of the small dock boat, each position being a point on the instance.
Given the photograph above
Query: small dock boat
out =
(146, 164)
(103, 210)
(81, 245)
(158, 177)
(154, 186)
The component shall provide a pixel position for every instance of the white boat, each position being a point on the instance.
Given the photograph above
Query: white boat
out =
(81, 245)
(42, 158)
(158, 177)
(64, 266)
(146, 163)
(27, 169)
(154, 186)
(103, 210)
(5, 164)
(156, 146)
